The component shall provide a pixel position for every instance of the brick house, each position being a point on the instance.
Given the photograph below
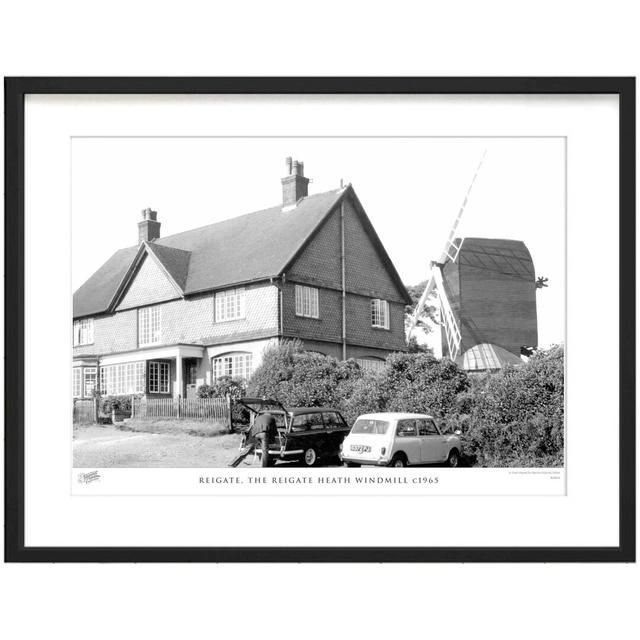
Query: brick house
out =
(170, 314)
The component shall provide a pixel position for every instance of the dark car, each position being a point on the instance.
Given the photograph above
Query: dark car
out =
(310, 435)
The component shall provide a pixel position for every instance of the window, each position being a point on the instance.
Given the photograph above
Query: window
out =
(371, 364)
(432, 430)
(82, 332)
(122, 379)
(307, 421)
(406, 428)
(367, 425)
(90, 379)
(333, 420)
(234, 365)
(77, 382)
(380, 314)
(230, 305)
(307, 302)
(426, 428)
(158, 377)
(149, 325)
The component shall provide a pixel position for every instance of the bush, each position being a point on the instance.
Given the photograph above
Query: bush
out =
(408, 382)
(117, 403)
(224, 387)
(516, 417)
(298, 378)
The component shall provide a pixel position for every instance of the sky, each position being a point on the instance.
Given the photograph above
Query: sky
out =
(411, 189)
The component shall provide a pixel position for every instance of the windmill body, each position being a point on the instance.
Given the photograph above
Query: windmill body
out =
(491, 289)
(486, 291)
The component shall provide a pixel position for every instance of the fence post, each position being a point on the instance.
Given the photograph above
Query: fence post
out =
(96, 408)
(230, 413)
(179, 402)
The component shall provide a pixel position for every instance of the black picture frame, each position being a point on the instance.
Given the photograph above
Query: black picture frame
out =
(15, 91)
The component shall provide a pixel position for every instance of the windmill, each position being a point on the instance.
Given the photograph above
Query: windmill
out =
(435, 282)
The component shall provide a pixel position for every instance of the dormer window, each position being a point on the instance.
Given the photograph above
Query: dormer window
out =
(82, 332)
(149, 326)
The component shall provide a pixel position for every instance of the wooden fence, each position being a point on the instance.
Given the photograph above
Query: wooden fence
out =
(84, 412)
(213, 409)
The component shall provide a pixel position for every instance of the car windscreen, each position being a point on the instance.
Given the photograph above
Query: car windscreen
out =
(369, 425)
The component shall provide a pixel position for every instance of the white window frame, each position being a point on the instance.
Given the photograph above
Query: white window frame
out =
(83, 332)
(122, 379)
(149, 326)
(159, 377)
(238, 364)
(91, 371)
(307, 305)
(230, 305)
(76, 382)
(379, 313)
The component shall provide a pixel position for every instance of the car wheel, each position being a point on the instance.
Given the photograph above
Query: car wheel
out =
(310, 457)
(398, 461)
(454, 458)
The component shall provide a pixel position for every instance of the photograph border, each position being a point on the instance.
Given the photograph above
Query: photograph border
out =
(15, 91)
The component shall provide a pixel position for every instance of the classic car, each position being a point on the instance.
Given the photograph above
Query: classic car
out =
(399, 440)
(310, 435)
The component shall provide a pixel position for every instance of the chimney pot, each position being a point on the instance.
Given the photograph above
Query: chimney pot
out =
(294, 185)
(149, 227)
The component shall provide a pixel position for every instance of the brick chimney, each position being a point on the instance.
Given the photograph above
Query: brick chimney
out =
(294, 184)
(148, 227)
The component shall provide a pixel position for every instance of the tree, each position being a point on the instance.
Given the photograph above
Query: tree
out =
(430, 311)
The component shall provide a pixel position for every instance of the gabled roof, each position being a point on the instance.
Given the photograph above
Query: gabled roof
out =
(175, 262)
(252, 247)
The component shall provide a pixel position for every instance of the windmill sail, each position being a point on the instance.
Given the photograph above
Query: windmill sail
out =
(451, 328)
(450, 252)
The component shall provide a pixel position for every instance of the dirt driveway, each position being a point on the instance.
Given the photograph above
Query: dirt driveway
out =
(100, 447)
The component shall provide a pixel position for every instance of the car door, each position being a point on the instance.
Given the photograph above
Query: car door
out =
(336, 431)
(431, 441)
(407, 440)
(307, 431)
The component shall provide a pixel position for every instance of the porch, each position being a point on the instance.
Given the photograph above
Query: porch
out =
(163, 373)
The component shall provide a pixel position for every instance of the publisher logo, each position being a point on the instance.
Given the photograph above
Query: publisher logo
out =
(86, 478)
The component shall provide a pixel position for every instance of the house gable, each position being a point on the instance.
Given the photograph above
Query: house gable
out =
(319, 263)
(369, 270)
(148, 284)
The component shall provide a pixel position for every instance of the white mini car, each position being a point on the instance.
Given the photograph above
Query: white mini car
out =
(399, 440)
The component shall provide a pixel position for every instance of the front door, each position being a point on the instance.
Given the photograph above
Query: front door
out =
(190, 373)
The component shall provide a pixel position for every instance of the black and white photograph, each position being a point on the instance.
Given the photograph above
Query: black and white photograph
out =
(364, 304)
(361, 301)
(320, 320)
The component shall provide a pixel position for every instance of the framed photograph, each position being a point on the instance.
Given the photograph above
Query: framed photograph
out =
(320, 319)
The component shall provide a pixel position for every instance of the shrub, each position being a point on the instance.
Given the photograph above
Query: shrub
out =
(224, 387)
(300, 378)
(516, 417)
(419, 382)
(117, 403)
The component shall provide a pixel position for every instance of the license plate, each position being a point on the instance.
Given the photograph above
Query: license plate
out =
(360, 448)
